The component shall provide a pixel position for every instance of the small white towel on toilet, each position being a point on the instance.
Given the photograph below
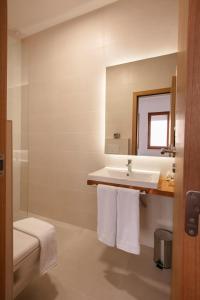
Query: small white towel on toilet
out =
(46, 234)
(107, 214)
(128, 220)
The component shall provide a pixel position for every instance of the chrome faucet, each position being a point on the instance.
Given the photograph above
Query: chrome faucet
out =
(171, 150)
(129, 165)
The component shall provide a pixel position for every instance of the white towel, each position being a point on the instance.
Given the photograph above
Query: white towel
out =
(128, 220)
(107, 214)
(46, 234)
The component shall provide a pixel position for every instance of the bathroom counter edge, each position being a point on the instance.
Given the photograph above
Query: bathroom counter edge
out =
(164, 187)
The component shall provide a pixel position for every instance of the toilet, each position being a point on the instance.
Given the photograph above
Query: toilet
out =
(34, 251)
(26, 255)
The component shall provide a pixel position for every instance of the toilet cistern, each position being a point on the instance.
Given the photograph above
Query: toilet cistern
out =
(129, 165)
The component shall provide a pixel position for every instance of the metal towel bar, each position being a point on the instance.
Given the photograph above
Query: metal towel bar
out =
(142, 193)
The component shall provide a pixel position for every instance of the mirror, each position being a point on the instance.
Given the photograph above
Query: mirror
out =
(140, 106)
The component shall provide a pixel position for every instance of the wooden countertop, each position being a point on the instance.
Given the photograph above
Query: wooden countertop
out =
(165, 187)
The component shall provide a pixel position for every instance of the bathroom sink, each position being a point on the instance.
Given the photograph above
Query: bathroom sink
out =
(139, 178)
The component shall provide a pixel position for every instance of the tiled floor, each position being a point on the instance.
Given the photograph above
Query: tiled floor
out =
(88, 270)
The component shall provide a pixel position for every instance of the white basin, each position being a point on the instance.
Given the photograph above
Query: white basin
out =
(139, 178)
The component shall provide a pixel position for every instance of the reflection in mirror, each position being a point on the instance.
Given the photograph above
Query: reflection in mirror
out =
(152, 128)
(158, 130)
(140, 106)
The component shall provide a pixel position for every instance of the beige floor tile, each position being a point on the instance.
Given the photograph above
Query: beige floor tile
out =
(49, 288)
(87, 269)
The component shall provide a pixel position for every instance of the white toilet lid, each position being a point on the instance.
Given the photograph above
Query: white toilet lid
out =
(23, 245)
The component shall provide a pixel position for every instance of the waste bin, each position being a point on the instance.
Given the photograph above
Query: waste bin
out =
(163, 248)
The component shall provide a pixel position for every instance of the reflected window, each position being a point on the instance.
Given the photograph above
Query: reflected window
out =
(158, 130)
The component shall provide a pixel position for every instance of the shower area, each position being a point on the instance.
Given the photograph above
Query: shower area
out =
(17, 112)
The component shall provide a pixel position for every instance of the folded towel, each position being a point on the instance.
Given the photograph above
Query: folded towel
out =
(107, 214)
(128, 218)
(46, 234)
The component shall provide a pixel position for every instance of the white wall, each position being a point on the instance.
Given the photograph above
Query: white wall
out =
(67, 68)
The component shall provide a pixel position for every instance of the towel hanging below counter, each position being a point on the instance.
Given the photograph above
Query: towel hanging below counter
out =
(128, 220)
(107, 214)
(119, 218)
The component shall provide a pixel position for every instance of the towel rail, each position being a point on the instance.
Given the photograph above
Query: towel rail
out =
(142, 193)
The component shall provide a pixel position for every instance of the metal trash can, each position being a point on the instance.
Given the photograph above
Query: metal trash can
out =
(163, 248)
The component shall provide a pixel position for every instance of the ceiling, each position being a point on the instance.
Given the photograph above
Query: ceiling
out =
(26, 17)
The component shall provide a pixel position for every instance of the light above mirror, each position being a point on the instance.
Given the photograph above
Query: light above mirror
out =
(140, 106)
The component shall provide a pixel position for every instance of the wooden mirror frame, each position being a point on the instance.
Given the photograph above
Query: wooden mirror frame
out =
(136, 95)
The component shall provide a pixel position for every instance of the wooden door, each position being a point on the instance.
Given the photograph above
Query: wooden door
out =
(186, 249)
(173, 109)
(6, 273)
(3, 51)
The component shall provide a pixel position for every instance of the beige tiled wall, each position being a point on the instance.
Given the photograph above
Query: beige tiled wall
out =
(66, 69)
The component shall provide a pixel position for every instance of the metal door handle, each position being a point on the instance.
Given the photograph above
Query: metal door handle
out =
(1, 164)
(192, 213)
